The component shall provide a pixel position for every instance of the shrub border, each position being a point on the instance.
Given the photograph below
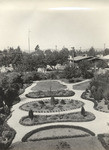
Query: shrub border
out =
(73, 93)
(20, 107)
(76, 120)
(6, 145)
(101, 139)
(92, 100)
(24, 139)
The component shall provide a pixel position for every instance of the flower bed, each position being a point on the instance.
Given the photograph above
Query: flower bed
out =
(71, 117)
(43, 94)
(100, 106)
(46, 106)
(25, 138)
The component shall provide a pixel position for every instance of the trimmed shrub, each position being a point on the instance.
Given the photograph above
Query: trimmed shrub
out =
(31, 114)
(83, 112)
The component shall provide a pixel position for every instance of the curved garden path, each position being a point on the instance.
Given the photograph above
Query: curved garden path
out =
(99, 125)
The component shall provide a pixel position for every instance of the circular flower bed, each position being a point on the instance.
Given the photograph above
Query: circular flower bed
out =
(42, 94)
(71, 117)
(52, 105)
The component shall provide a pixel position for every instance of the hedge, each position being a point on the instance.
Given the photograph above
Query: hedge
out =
(24, 139)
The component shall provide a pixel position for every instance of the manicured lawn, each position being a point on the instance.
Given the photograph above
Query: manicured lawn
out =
(81, 143)
(48, 85)
(81, 86)
(71, 117)
(56, 133)
(44, 106)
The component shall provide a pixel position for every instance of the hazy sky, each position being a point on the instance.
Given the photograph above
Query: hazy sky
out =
(78, 23)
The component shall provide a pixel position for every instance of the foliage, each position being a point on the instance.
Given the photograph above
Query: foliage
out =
(42, 94)
(106, 52)
(92, 52)
(30, 114)
(72, 72)
(83, 112)
(85, 68)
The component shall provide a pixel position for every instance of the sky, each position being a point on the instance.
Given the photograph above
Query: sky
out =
(69, 23)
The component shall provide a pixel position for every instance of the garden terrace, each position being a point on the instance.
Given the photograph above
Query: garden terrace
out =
(57, 132)
(52, 105)
(70, 117)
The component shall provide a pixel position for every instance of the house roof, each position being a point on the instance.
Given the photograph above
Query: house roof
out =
(79, 58)
(105, 57)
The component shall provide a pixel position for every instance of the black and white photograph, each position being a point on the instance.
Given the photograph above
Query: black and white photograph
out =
(54, 74)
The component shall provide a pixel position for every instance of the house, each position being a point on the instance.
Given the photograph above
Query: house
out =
(43, 70)
(60, 67)
(4, 69)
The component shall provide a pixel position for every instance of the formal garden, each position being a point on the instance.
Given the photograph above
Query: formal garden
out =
(52, 105)
(49, 88)
(32, 119)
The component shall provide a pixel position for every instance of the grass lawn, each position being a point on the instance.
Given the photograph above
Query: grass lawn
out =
(81, 143)
(44, 106)
(56, 133)
(71, 117)
(48, 85)
(81, 86)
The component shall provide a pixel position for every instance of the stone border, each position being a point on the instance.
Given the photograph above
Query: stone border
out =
(52, 110)
(70, 120)
(92, 100)
(24, 139)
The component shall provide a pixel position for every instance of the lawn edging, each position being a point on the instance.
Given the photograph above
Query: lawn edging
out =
(24, 139)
